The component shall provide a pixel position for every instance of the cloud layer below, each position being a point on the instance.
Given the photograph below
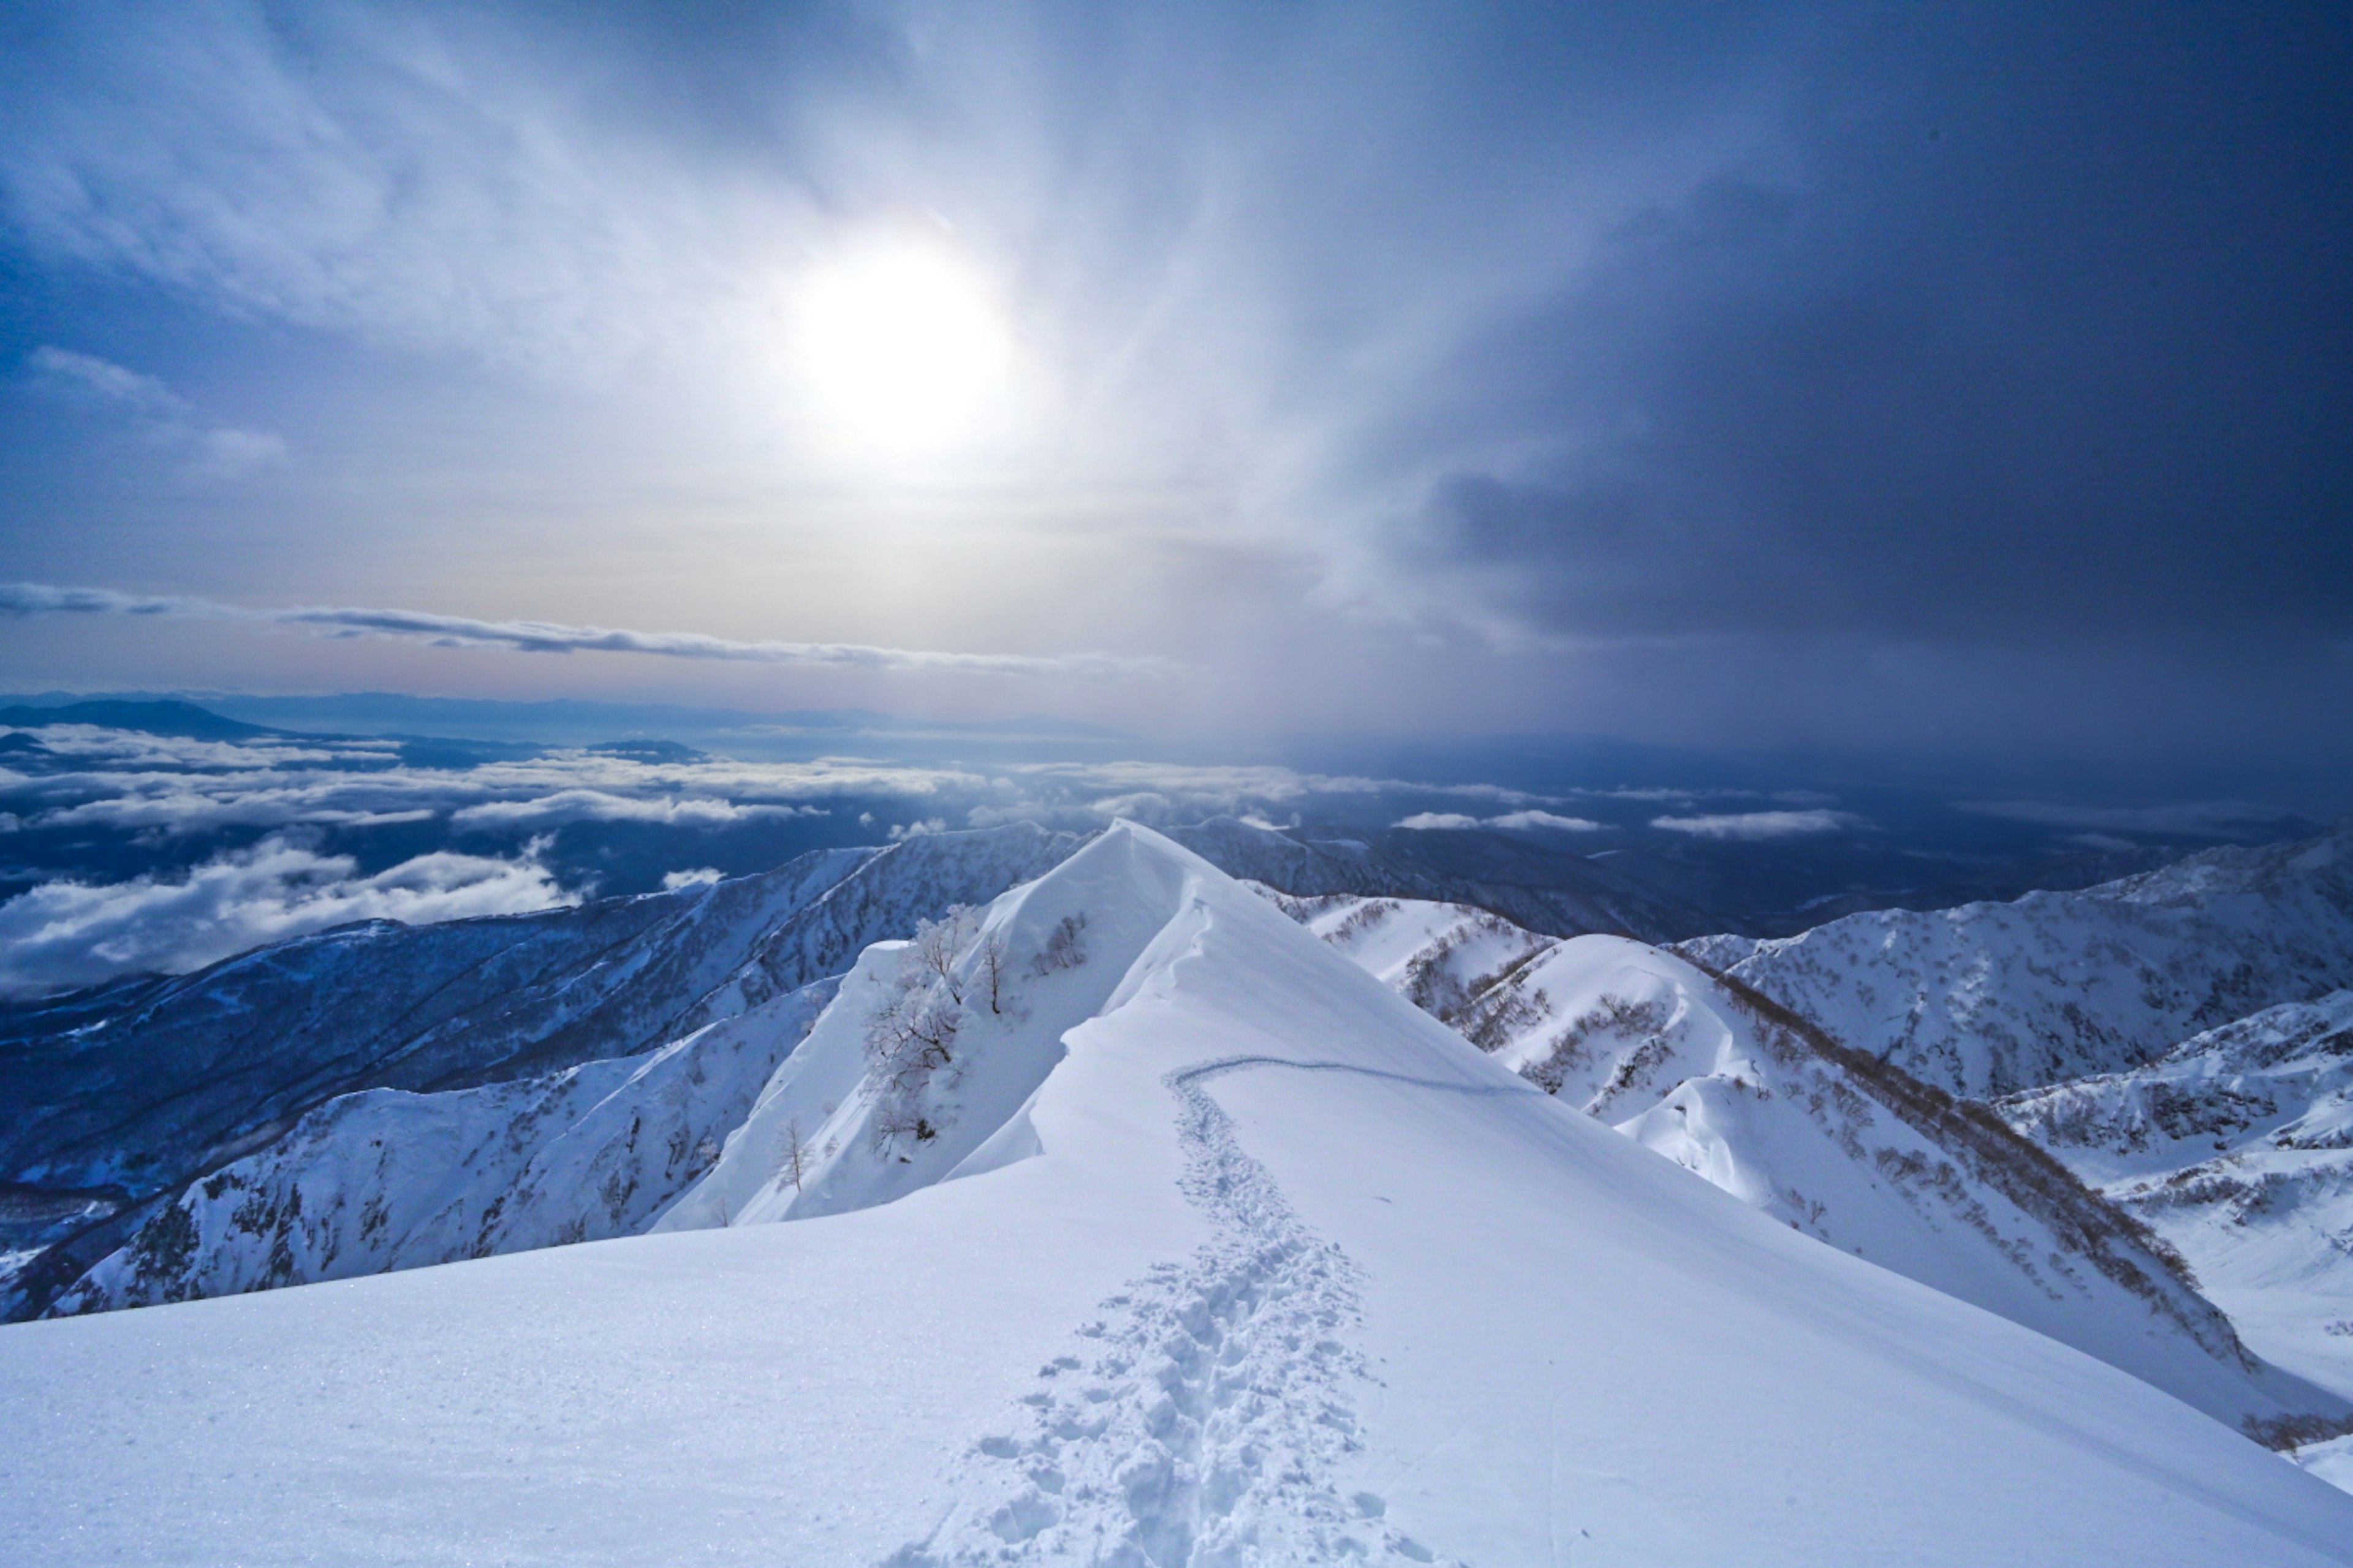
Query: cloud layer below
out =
(67, 933)
(1759, 825)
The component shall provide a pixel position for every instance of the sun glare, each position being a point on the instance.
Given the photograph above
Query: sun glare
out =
(903, 352)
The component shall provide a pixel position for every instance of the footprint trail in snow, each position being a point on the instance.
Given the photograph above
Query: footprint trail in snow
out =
(1201, 1421)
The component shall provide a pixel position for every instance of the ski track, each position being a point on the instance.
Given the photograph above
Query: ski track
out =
(1200, 1421)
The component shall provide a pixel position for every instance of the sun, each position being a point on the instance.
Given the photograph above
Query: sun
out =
(903, 352)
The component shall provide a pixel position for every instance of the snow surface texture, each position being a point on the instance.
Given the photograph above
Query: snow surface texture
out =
(1842, 1150)
(1199, 1419)
(1993, 999)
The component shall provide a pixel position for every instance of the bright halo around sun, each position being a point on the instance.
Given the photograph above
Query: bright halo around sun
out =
(905, 352)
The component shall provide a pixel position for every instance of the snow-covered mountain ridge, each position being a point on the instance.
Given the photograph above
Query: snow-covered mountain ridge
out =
(1992, 999)
(238, 1074)
(1252, 1264)
(1834, 1143)
(387, 1179)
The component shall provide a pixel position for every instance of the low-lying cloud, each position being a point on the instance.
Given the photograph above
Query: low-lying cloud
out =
(66, 935)
(1431, 821)
(596, 805)
(1759, 825)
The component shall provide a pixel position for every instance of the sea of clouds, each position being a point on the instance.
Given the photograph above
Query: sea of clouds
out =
(141, 853)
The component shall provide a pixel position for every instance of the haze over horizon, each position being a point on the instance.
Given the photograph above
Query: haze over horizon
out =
(1832, 376)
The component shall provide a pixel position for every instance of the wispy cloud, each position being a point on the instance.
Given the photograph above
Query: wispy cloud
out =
(2194, 820)
(158, 413)
(551, 637)
(1760, 824)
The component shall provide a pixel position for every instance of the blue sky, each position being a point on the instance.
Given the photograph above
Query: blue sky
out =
(1818, 375)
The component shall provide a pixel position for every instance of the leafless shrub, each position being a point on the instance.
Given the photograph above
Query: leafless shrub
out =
(997, 972)
(1363, 917)
(940, 943)
(2279, 1432)
(1644, 1023)
(1492, 1021)
(900, 1121)
(912, 1035)
(1065, 948)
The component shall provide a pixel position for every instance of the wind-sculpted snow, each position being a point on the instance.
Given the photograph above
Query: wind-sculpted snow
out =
(854, 1119)
(1994, 999)
(1384, 1300)
(1832, 1144)
(2237, 1147)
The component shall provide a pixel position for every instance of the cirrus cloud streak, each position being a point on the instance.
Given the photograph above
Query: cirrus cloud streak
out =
(22, 599)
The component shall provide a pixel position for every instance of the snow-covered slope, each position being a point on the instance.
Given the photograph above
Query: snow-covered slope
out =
(1833, 1144)
(1438, 956)
(387, 1179)
(2236, 1146)
(1251, 1263)
(123, 1112)
(1993, 999)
